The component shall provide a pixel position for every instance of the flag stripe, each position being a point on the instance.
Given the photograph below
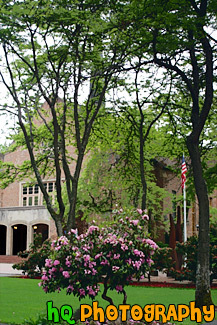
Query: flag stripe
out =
(184, 171)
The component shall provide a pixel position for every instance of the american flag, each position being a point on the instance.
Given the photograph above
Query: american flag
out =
(184, 171)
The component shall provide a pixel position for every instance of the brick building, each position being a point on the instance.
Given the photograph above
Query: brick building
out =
(22, 212)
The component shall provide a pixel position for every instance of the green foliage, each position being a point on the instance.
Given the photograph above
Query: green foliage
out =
(189, 250)
(42, 320)
(111, 173)
(163, 259)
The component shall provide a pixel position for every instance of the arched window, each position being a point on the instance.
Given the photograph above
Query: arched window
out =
(19, 238)
(3, 233)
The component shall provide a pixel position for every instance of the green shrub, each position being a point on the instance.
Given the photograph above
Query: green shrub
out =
(189, 249)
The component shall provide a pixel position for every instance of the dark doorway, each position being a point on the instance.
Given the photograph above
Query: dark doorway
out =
(3, 232)
(19, 238)
(42, 229)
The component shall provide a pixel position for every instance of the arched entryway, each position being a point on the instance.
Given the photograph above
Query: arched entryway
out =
(19, 238)
(41, 228)
(3, 234)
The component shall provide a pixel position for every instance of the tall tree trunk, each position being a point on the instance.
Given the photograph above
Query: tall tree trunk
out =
(72, 195)
(202, 294)
(172, 242)
(59, 227)
(142, 169)
(73, 201)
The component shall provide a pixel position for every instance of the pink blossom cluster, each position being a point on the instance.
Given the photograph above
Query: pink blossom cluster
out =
(151, 243)
(116, 253)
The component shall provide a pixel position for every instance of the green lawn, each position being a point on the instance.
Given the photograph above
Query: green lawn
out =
(22, 299)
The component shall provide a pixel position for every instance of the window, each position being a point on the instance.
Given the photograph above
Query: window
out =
(24, 201)
(32, 195)
(30, 200)
(24, 190)
(50, 187)
(36, 189)
(36, 200)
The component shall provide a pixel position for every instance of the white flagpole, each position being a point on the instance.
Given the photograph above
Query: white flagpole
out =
(185, 218)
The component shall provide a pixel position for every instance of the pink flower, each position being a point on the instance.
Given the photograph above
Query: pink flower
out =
(53, 243)
(136, 252)
(119, 288)
(150, 243)
(94, 271)
(98, 255)
(145, 216)
(116, 256)
(149, 261)
(129, 261)
(137, 264)
(51, 271)
(56, 262)
(82, 292)
(45, 289)
(63, 240)
(139, 211)
(91, 292)
(124, 247)
(91, 229)
(115, 268)
(70, 288)
(86, 258)
(87, 271)
(48, 262)
(134, 222)
(66, 274)
(44, 277)
(74, 231)
(68, 263)
(77, 255)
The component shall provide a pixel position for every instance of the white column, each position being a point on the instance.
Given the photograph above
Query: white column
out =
(29, 236)
(9, 240)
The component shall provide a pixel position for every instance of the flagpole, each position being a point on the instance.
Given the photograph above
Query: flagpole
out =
(185, 218)
(184, 170)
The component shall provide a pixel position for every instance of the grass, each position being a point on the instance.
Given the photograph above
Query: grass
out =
(22, 299)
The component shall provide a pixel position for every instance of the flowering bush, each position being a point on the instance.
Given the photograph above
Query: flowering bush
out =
(189, 250)
(111, 255)
(163, 260)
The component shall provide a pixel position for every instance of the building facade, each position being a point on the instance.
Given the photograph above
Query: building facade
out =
(23, 213)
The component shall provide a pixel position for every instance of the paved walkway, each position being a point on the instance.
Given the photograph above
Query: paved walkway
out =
(7, 270)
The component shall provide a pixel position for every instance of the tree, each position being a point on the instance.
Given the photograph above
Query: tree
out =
(111, 255)
(112, 174)
(141, 110)
(56, 49)
(181, 42)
